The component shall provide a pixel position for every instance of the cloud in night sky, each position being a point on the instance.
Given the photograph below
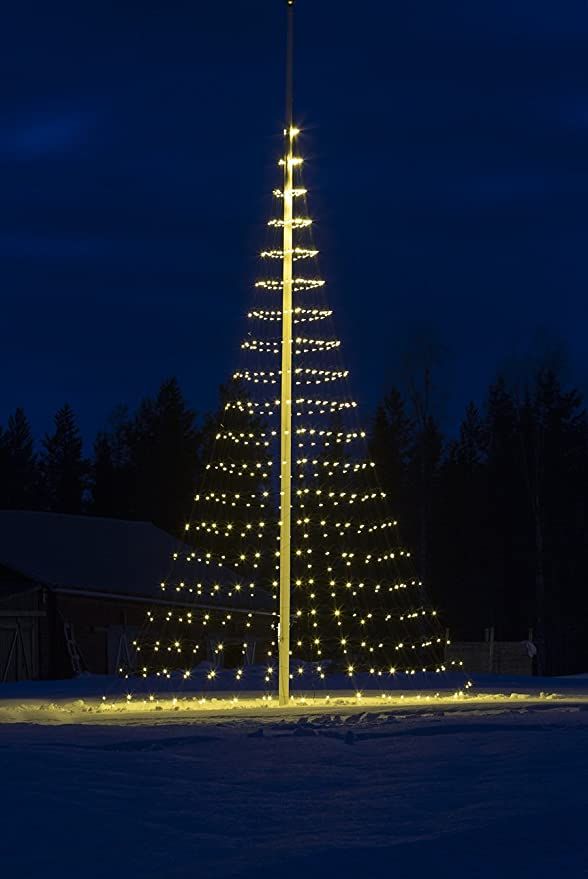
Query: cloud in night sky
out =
(45, 135)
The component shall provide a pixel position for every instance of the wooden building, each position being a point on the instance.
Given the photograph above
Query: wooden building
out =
(75, 591)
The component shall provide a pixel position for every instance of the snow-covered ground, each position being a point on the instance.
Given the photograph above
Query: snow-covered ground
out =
(474, 787)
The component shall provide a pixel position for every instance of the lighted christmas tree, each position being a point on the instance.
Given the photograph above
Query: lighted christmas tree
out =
(291, 506)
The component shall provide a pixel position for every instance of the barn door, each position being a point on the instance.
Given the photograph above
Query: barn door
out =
(18, 659)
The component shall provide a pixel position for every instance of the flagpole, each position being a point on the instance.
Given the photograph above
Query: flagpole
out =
(286, 380)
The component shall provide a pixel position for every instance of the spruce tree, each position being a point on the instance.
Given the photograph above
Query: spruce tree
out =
(554, 448)
(164, 458)
(18, 464)
(391, 441)
(508, 515)
(4, 471)
(63, 469)
(111, 472)
(464, 543)
(470, 450)
(423, 474)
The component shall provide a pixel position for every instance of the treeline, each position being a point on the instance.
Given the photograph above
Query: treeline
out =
(143, 466)
(497, 518)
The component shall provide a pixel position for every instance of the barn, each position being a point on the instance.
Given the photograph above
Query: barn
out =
(75, 592)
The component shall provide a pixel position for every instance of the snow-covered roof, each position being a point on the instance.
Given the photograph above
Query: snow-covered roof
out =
(92, 554)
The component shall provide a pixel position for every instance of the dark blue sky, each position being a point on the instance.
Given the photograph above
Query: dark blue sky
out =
(447, 162)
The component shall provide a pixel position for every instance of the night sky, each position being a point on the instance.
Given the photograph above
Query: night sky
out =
(447, 160)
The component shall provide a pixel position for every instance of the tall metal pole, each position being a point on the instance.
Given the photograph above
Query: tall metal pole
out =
(286, 383)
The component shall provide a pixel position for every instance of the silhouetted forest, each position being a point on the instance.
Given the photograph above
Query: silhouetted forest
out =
(497, 516)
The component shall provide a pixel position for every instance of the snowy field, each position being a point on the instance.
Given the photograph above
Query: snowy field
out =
(479, 787)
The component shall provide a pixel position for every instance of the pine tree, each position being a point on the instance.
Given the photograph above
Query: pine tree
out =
(111, 476)
(470, 450)
(505, 504)
(18, 464)
(465, 544)
(423, 473)
(553, 440)
(391, 441)
(63, 469)
(4, 471)
(164, 444)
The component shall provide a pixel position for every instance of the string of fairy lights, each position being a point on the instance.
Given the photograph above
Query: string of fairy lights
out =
(356, 604)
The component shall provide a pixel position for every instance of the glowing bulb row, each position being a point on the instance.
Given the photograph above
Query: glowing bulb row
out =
(351, 497)
(296, 192)
(297, 253)
(300, 315)
(313, 376)
(293, 161)
(322, 493)
(295, 222)
(225, 498)
(273, 346)
(263, 438)
(271, 405)
(299, 285)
